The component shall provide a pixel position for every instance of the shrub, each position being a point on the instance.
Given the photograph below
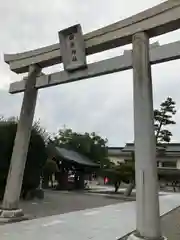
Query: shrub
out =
(36, 157)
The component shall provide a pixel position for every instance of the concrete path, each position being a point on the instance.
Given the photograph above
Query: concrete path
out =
(104, 223)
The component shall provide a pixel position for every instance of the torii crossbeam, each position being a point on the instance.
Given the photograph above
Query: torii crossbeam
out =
(158, 54)
(155, 21)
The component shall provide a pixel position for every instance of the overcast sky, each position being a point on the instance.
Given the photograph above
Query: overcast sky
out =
(102, 104)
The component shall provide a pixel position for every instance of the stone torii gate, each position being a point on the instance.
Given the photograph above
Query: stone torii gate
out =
(72, 51)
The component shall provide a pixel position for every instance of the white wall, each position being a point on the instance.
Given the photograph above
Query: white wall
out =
(178, 164)
(115, 159)
(160, 164)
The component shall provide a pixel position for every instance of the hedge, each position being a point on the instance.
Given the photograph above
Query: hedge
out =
(36, 158)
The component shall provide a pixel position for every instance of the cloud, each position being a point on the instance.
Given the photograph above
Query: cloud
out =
(103, 104)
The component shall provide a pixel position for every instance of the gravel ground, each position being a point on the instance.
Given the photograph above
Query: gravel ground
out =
(57, 202)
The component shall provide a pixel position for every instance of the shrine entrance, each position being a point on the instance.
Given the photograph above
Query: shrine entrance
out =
(72, 52)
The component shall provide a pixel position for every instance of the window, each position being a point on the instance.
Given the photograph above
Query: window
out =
(169, 164)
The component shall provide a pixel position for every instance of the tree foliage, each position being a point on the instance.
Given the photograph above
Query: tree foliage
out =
(90, 145)
(36, 156)
(163, 117)
(124, 172)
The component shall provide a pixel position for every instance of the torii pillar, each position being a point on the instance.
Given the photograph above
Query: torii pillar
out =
(10, 208)
(147, 200)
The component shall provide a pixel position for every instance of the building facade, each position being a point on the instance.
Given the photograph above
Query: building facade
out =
(167, 155)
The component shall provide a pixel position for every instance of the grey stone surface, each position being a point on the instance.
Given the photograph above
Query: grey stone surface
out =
(134, 237)
(12, 216)
(170, 225)
(159, 54)
(104, 223)
(148, 220)
(21, 143)
(72, 48)
(160, 19)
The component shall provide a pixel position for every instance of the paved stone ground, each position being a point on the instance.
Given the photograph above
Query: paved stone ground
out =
(66, 202)
(57, 202)
(100, 223)
(170, 224)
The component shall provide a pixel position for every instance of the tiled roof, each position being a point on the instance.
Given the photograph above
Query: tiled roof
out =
(172, 151)
(76, 157)
(171, 147)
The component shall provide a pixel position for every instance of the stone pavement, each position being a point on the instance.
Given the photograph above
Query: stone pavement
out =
(104, 223)
(170, 225)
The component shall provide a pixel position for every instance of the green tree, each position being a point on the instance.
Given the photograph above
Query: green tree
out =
(124, 172)
(90, 145)
(36, 156)
(163, 117)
